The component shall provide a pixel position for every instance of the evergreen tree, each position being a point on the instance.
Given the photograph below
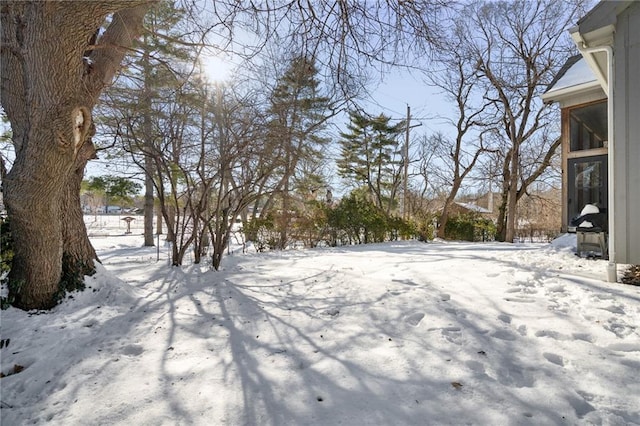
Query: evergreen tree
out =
(135, 105)
(299, 113)
(371, 156)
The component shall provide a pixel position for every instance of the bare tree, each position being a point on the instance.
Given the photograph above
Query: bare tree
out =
(518, 46)
(458, 78)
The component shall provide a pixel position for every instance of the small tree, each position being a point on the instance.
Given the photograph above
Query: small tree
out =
(152, 74)
(458, 78)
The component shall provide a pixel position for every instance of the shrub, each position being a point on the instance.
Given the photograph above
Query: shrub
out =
(470, 227)
(358, 220)
(424, 227)
(311, 225)
(262, 232)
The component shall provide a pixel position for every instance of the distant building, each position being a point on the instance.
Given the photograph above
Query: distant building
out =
(114, 209)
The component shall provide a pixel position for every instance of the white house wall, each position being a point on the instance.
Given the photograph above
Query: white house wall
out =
(627, 136)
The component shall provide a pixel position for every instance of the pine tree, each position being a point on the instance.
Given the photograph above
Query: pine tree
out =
(299, 113)
(134, 106)
(371, 157)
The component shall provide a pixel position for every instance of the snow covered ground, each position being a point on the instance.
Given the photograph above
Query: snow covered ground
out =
(401, 333)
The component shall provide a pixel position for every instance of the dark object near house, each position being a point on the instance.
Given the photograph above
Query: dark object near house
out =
(591, 228)
(590, 220)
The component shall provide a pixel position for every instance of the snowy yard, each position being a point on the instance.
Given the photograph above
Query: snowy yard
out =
(401, 333)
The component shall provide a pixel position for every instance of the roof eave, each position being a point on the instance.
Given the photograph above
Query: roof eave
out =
(570, 91)
(591, 47)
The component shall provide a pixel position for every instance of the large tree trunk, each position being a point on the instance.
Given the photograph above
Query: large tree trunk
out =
(78, 254)
(501, 228)
(501, 231)
(444, 218)
(510, 231)
(48, 91)
(32, 194)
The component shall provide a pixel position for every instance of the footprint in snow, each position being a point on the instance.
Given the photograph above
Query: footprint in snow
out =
(552, 334)
(554, 358)
(505, 318)
(414, 319)
(614, 309)
(132, 350)
(625, 347)
(583, 336)
(504, 335)
(519, 299)
(619, 328)
(332, 312)
(558, 289)
(580, 405)
(455, 312)
(452, 334)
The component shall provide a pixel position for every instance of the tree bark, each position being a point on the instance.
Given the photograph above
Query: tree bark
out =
(78, 254)
(48, 92)
(145, 102)
(504, 199)
(148, 203)
(446, 209)
(512, 197)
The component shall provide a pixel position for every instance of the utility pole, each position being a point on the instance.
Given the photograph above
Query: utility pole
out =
(405, 179)
(405, 160)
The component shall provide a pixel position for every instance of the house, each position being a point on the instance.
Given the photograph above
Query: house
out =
(599, 96)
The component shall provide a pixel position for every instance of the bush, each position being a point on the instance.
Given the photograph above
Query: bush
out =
(358, 220)
(470, 227)
(262, 232)
(424, 227)
(6, 247)
(311, 225)
(72, 278)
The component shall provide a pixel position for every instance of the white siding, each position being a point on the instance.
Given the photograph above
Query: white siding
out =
(627, 136)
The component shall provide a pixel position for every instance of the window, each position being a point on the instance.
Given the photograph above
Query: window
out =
(587, 183)
(588, 127)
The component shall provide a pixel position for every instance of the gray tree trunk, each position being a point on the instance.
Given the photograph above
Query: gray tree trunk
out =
(148, 204)
(512, 198)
